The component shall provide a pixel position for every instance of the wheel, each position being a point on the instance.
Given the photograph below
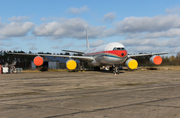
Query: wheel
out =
(118, 71)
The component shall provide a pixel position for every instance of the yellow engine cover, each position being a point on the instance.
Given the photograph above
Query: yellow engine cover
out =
(71, 64)
(132, 63)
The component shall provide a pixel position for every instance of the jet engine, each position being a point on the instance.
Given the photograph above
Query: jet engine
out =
(38, 61)
(71, 64)
(157, 60)
(131, 63)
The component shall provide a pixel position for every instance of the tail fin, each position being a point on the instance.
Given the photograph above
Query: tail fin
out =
(87, 42)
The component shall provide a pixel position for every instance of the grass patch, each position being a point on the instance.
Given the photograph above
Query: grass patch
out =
(57, 70)
(49, 70)
(31, 71)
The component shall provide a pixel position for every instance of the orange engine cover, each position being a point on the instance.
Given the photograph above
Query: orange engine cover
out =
(157, 60)
(38, 61)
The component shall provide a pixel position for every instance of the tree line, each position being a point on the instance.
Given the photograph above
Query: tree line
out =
(166, 60)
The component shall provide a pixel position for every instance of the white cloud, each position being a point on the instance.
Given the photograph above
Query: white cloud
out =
(175, 32)
(93, 44)
(31, 44)
(33, 48)
(171, 33)
(173, 42)
(109, 32)
(61, 29)
(19, 18)
(147, 33)
(73, 10)
(2, 37)
(109, 17)
(56, 47)
(138, 31)
(8, 44)
(69, 28)
(147, 49)
(51, 18)
(96, 43)
(66, 46)
(150, 34)
(15, 29)
(15, 48)
(148, 24)
(173, 10)
(29, 38)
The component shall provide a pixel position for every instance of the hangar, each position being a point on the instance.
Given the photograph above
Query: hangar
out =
(53, 63)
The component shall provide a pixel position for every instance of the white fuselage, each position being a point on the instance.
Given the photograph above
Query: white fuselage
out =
(109, 54)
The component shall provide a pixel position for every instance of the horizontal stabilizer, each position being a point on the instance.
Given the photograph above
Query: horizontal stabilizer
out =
(73, 51)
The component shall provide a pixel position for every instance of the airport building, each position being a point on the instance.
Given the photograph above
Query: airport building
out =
(53, 63)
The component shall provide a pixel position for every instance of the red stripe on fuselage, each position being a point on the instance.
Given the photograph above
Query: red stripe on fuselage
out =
(119, 53)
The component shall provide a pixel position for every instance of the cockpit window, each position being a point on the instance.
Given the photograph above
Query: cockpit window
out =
(117, 48)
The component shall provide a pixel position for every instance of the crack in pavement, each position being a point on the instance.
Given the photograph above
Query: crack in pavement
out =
(101, 109)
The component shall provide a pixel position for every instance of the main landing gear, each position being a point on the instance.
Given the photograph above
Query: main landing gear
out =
(81, 66)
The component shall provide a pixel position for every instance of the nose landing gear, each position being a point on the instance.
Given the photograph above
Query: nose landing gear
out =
(115, 69)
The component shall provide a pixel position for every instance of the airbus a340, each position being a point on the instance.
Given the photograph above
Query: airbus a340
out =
(109, 54)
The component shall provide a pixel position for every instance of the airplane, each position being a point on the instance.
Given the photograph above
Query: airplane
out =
(113, 54)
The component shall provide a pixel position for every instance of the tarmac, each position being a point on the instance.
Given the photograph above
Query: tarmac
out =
(91, 94)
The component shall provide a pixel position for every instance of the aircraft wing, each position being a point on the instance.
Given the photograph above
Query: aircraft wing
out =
(73, 51)
(83, 58)
(150, 54)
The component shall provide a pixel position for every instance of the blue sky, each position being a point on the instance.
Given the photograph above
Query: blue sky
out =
(53, 25)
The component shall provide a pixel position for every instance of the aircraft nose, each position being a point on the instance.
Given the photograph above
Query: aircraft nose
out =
(123, 53)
